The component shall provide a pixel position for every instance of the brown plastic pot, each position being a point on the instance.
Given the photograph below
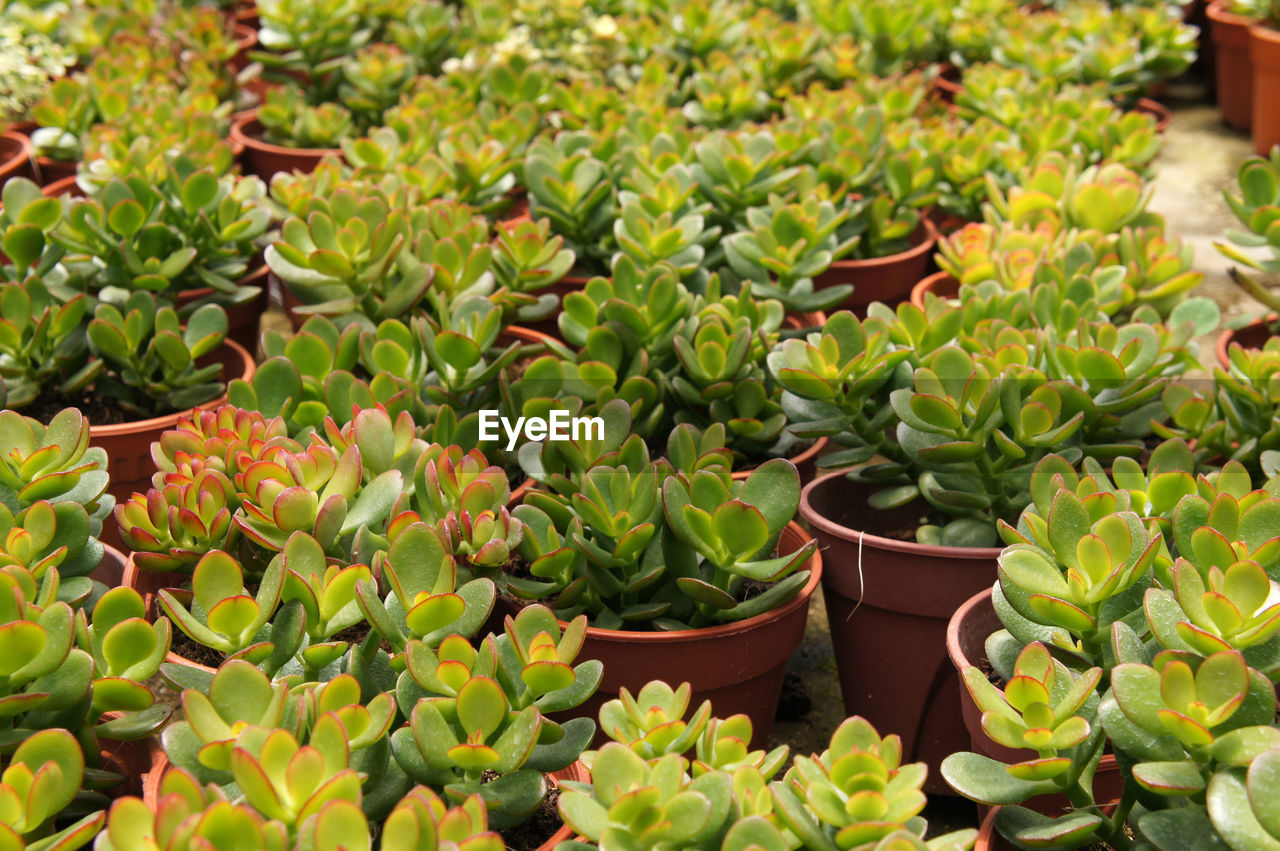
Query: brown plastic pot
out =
(264, 159)
(966, 645)
(1264, 53)
(49, 170)
(110, 570)
(15, 156)
(888, 604)
(737, 666)
(939, 283)
(134, 760)
(128, 445)
(1233, 69)
(1252, 336)
(887, 279)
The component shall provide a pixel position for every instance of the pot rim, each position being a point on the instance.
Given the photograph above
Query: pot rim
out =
(809, 454)
(709, 633)
(1217, 12)
(954, 648)
(243, 131)
(167, 421)
(1222, 346)
(24, 152)
(925, 245)
(926, 285)
(830, 527)
(1260, 31)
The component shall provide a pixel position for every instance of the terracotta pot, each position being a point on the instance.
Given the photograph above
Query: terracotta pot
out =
(110, 571)
(128, 445)
(888, 603)
(966, 645)
(1264, 52)
(737, 666)
(49, 170)
(134, 760)
(1252, 336)
(887, 279)
(248, 15)
(244, 320)
(265, 159)
(15, 156)
(806, 462)
(1157, 110)
(939, 283)
(1233, 69)
(160, 764)
(62, 186)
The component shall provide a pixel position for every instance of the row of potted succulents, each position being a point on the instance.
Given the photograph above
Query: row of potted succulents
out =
(336, 716)
(332, 549)
(1246, 37)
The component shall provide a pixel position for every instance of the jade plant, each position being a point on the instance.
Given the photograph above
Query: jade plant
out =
(1255, 207)
(957, 422)
(1136, 616)
(633, 541)
(726, 796)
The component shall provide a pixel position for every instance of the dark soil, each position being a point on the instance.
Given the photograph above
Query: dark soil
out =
(794, 704)
(538, 828)
(192, 650)
(98, 410)
(984, 665)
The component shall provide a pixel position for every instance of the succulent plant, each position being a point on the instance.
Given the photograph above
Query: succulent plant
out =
(42, 344)
(571, 187)
(153, 358)
(785, 247)
(288, 119)
(189, 230)
(473, 711)
(52, 463)
(1259, 183)
(637, 542)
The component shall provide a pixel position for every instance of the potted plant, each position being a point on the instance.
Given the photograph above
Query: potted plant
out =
(641, 543)
(80, 653)
(873, 386)
(727, 796)
(1109, 688)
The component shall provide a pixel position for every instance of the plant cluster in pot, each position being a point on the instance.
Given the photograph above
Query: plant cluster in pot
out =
(674, 561)
(86, 327)
(171, 84)
(1057, 222)
(673, 357)
(334, 588)
(418, 255)
(1137, 618)
(708, 789)
(944, 434)
(78, 655)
